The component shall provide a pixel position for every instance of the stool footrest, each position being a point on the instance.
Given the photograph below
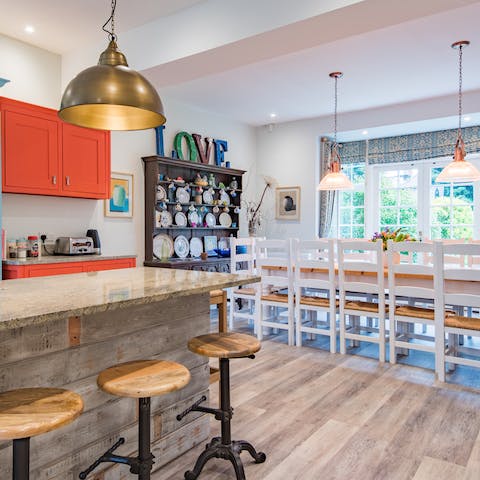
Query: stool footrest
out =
(136, 465)
(220, 414)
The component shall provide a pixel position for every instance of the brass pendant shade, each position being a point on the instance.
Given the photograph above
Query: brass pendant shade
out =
(112, 96)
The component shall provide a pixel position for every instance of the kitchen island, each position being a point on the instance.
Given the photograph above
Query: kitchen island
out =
(61, 331)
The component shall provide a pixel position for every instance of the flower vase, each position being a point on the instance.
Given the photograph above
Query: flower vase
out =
(396, 258)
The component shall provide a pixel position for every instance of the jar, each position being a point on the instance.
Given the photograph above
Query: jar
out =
(12, 248)
(32, 250)
(21, 248)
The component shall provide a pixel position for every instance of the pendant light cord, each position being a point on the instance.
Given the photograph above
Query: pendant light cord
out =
(111, 20)
(460, 80)
(335, 110)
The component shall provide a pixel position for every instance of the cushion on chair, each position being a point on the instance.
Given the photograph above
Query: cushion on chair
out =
(456, 321)
(417, 312)
(276, 297)
(363, 306)
(317, 301)
(244, 291)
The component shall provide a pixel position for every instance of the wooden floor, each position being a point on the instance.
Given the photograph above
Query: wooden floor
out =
(320, 416)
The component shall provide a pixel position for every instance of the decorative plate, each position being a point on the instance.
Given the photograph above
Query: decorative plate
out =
(210, 220)
(181, 246)
(225, 220)
(196, 247)
(182, 195)
(161, 193)
(224, 198)
(164, 219)
(180, 219)
(162, 246)
(207, 197)
(193, 218)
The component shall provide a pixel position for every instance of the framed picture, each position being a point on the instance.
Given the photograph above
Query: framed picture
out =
(120, 203)
(287, 203)
(210, 244)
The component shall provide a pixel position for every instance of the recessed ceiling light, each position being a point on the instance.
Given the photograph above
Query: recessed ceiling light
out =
(273, 115)
(467, 119)
(30, 29)
(365, 132)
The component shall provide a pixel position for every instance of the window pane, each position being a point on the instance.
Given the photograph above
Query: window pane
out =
(388, 180)
(388, 197)
(408, 197)
(462, 232)
(388, 216)
(345, 216)
(359, 199)
(407, 178)
(408, 216)
(358, 216)
(345, 232)
(435, 233)
(463, 193)
(440, 215)
(345, 198)
(463, 215)
(358, 174)
(358, 232)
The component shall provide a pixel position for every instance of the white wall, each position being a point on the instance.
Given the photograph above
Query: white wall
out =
(35, 75)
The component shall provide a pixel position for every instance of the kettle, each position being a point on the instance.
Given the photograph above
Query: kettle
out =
(93, 234)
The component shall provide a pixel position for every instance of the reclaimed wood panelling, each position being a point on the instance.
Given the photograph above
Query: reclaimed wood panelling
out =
(70, 353)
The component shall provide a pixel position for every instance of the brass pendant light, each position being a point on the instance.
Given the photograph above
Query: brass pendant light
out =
(335, 179)
(110, 95)
(459, 170)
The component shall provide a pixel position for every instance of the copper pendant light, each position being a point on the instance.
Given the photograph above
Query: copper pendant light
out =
(110, 95)
(459, 170)
(335, 179)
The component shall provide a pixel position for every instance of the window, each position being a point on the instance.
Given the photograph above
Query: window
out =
(406, 195)
(351, 212)
(451, 209)
(398, 199)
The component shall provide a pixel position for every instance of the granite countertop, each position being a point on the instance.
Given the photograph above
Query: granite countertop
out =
(45, 259)
(29, 301)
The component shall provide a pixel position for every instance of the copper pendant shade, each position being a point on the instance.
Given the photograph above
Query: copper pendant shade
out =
(335, 179)
(111, 96)
(459, 170)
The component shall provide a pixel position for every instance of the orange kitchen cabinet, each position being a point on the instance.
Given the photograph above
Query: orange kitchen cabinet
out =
(30, 149)
(43, 155)
(42, 270)
(85, 162)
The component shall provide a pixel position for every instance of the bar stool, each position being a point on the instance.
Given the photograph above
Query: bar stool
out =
(28, 412)
(140, 379)
(223, 346)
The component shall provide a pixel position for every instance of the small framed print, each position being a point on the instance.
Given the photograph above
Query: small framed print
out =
(210, 245)
(120, 203)
(287, 203)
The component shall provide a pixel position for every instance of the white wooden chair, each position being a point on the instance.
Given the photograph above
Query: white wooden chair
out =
(243, 262)
(276, 295)
(354, 313)
(454, 325)
(409, 324)
(315, 289)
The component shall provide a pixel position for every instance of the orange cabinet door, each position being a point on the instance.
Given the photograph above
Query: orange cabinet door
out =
(30, 149)
(109, 264)
(86, 162)
(54, 269)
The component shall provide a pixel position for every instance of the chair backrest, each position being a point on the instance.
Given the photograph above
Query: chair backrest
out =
(365, 275)
(416, 262)
(446, 274)
(315, 265)
(276, 254)
(244, 261)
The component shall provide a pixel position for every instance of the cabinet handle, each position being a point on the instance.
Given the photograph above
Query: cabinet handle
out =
(67, 180)
(54, 179)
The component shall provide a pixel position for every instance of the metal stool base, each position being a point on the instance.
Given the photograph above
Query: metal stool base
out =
(215, 449)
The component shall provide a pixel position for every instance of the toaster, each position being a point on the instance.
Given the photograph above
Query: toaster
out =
(74, 246)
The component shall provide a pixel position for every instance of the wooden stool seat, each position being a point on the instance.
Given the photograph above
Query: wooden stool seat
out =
(143, 378)
(27, 412)
(224, 345)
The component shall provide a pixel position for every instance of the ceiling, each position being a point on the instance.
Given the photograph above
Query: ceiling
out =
(390, 52)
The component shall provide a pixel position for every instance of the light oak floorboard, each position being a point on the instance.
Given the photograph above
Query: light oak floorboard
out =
(333, 417)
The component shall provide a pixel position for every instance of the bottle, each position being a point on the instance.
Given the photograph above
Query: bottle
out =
(21, 248)
(12, 248)
(32, 250)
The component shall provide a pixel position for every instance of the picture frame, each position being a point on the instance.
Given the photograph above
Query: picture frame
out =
(287, 203)
(210, 244)
(120, 203)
